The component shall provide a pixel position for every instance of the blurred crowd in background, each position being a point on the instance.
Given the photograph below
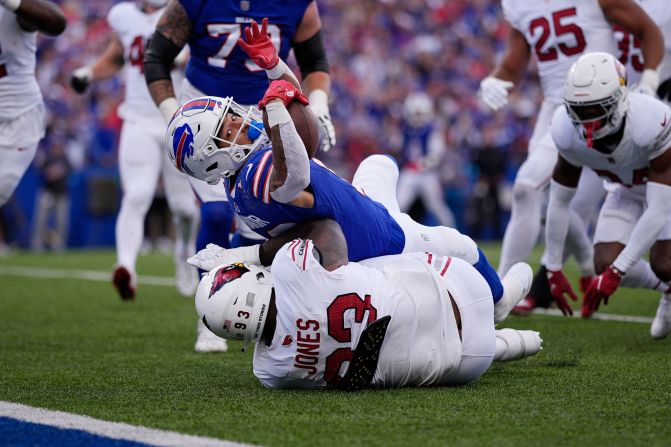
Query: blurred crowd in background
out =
(379, 52)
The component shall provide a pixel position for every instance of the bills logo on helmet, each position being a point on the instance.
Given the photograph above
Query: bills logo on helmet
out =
(182, 146)
(225, 275)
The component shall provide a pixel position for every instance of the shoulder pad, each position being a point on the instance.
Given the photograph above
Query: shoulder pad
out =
(649, 117)
(562, 129)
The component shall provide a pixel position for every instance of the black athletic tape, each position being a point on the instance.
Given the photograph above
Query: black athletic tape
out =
(159, 57)
(311, 55)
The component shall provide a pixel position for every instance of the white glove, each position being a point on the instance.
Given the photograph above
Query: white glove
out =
(648, 83)
(11, 5)
(319, 105)
(213, 256)
(494, 92)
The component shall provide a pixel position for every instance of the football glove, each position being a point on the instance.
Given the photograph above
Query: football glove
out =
(81, 79)
(319, 104)
(601, 288)
(213, 256)
(284, 91)
(494, 92)
(559, 288)
(258, 46)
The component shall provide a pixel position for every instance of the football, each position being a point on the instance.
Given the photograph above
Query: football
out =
(306, 124)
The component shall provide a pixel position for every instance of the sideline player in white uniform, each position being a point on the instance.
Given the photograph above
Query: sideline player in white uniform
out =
(557, 33)
(403, 320)
(22, 111)
(423, 150)
(626, 138)
(141, 155)
(629, 49)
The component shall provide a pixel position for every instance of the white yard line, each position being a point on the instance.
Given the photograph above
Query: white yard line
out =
(114, 430)
(89, 275)
(93, 275)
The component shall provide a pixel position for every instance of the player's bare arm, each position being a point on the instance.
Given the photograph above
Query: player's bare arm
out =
(309, 51)
(172, 34)
(515, 59)
(630, 16)
(41, 15)
(326, 235)
(565, 173)
(111, 61)
(494, 88)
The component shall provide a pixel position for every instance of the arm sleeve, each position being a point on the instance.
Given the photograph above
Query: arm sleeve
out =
(298, 163)
(556, 225)
(656, 215)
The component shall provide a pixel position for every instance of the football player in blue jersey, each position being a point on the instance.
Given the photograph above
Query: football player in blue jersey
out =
(274, 186)
(218, 66)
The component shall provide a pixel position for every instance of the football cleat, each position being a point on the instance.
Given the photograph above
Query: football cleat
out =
(512, 344)
(206, 341)
(661, 325)
(124, 282)
(525, 307)
(516, 285)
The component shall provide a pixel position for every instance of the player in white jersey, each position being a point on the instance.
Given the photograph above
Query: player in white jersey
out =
(22, 111)
(319, 321)
(557, 33)
(629, 49)
(626, 138)
(141, 156)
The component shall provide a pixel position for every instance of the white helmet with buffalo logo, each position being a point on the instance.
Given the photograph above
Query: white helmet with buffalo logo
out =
(595, 95)
(195, 146)
(233, 301)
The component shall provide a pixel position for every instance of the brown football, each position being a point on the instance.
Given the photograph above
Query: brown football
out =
(306, 124)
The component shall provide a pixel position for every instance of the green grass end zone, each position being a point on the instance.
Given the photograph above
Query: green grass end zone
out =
(72, 345)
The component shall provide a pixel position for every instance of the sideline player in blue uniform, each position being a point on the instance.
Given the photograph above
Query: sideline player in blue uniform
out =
(274, 186)
(219, 67)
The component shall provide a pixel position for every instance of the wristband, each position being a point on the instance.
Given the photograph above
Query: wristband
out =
(650, 77)
(12, 5)
(277, 113)
(319, 101)
(168, 107)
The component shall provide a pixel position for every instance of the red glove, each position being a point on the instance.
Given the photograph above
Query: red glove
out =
(559, 287)
(602, 287)
(585, 282)
(259, 47)
(285, 91)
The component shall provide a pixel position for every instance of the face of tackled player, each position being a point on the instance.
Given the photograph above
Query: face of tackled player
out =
(234, 130)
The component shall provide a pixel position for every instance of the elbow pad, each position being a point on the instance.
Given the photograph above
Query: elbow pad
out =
(159, 57)
(311, 55)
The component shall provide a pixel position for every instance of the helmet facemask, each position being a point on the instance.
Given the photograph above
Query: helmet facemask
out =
(247, 135)
(597, 119)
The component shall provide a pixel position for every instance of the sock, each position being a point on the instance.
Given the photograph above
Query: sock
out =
(216, 219)
(487, 271)
(524, 227)
(641, 276)
(580, 246)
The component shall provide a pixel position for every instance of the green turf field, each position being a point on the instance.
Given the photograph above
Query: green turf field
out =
(71, 345)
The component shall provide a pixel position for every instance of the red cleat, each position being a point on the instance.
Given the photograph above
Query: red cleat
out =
(123, 283)
(525, 307)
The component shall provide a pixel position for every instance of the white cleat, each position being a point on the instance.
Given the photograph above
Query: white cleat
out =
(186, 279)
(206, 341)
(661, 325)
(516, 285)
(512, 344)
